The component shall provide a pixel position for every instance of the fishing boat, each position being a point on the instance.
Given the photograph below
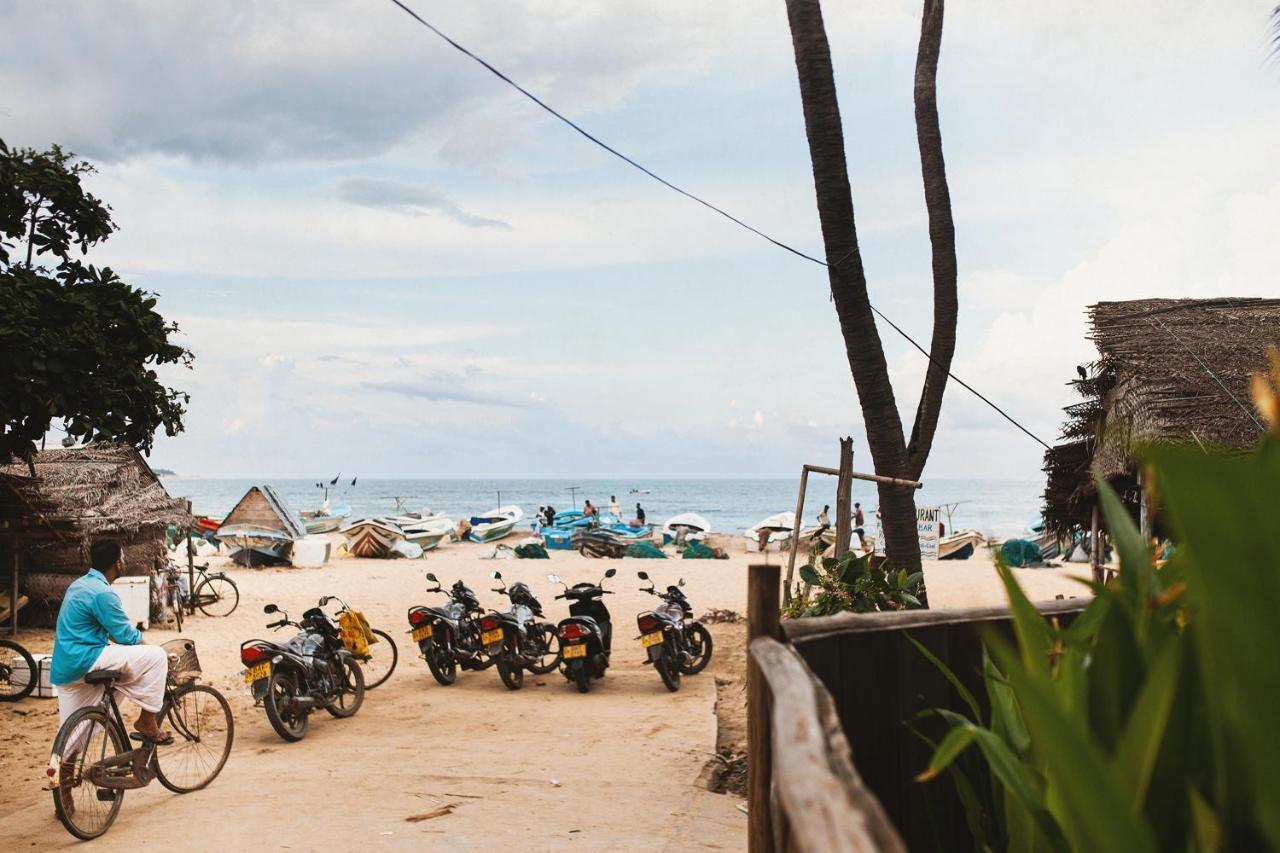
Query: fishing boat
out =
(693, 525)
(495, 524)
(326, 519)
(425, 529)
(261, 528)
(960, 545)
(780, 526)
(372, 537)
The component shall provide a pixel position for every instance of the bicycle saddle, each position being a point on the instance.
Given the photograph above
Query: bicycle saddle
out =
(103, 676)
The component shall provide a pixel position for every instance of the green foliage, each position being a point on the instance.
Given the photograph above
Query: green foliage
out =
(77, 344)
(1150, 721)
(854, 583)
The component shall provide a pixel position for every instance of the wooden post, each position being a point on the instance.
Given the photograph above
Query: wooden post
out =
(795, 535)
(1095, 547)
(762, 621)
(844, 497)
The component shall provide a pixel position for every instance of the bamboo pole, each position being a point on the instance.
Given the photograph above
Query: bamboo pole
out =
(795, 534)
(844, 497)
(762, 621)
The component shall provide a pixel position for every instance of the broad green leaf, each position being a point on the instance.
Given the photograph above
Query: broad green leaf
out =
(810, 575)
(956, 742)
(965, 695)
(1205, 823)
(1137, 572)
(1144, 731)
(1033, 632)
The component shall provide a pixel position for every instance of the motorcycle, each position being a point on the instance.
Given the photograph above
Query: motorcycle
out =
(516, 639)
(676, 643)
(449, 636)
(587, 635)
(312, 670)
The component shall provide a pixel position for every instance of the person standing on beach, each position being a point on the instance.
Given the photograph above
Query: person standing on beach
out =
(639, 515)
(824, 520)
(860, 525)
(588, 510)
(614, 508)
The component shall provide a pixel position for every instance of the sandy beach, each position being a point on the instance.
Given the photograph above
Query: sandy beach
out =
(624, 767)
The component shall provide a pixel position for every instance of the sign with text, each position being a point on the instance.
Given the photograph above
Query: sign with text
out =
(927, 530)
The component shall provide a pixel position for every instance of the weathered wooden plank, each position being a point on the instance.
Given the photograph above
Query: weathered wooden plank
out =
(762, 621)
(802, 630)
(822, 802)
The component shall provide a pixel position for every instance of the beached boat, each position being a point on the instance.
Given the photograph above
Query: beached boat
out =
(495, 524)
(780, 526)
(960, 545)
(425, 530)
(325, 519)
(372, 537)
(693, 525)
(261, 528)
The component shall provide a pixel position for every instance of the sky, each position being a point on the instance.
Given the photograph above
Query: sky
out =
(388, 262)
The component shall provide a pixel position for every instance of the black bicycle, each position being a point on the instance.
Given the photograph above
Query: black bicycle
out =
(215, 594)
(92, 765)
(13, 684)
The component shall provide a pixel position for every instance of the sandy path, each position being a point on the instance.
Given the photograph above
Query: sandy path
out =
(626, 758)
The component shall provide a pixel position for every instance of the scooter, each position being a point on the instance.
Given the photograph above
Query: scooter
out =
(586, 636)
(449, 636)
(675, 642)
(515, 637)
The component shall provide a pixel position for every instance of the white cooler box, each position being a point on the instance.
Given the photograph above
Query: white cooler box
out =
(135, 595)
(20, 677)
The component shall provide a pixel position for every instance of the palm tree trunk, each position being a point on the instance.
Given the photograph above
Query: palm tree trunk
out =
(848, 280)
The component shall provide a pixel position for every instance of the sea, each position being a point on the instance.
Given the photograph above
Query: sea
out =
(1003, 508)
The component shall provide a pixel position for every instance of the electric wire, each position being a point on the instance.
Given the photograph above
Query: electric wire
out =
(624, 158)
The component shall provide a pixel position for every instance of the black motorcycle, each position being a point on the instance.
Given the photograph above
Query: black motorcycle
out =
(587, 635)
(676, 643)
(310, 671)
(449, 636)
(516, 638)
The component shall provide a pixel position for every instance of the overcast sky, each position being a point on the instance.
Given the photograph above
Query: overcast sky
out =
(388, 262)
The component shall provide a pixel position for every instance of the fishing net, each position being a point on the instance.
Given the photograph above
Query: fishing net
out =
(1022, 554)
(532, 551)
(646, 551)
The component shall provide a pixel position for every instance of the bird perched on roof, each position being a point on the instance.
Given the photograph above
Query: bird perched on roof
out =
(1083, 373)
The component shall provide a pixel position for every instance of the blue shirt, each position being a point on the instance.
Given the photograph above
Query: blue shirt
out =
(91, 612)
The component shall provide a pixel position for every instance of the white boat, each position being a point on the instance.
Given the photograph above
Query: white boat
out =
(960, 545)
(424, 529)
(371, 537)
(780, 527)
(495, 523)
(693, 525)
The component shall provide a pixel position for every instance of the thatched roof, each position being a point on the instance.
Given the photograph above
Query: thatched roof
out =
(1167, 370)
(99, 489)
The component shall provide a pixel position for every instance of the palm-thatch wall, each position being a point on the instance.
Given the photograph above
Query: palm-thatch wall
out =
(1167, 370)
(78, 495)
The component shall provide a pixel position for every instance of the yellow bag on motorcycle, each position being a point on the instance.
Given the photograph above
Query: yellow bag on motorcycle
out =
(356, 635)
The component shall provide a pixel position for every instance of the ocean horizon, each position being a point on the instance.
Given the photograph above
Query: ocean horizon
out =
(997, 507)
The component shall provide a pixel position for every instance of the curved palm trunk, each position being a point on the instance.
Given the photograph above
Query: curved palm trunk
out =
(889, 450)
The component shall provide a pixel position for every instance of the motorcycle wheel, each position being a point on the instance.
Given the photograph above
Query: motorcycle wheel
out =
(699, 644)
(351, 696)
(510, 671)
(544, 648)
(290, 724)
(669, 671)
(442, 665)
(582, 678)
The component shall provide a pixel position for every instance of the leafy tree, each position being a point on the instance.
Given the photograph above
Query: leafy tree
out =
(77, 344)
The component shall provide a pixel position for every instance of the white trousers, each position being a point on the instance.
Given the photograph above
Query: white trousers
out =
(143, 670)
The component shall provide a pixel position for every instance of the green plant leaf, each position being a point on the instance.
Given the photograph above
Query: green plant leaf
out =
(965, 695)
(1033, 632)
(810, 576)
(1139, 745)
(956, 742)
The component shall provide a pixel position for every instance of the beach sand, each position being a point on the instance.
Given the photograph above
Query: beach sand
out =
(621, 768)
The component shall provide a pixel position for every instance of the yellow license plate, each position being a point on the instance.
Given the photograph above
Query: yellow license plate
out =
(488, 638)
(257, 672)
(421, 633)
(651, 639)
(578, 651)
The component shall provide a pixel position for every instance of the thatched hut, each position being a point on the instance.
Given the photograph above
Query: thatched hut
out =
(1167, 370)
(77, 495)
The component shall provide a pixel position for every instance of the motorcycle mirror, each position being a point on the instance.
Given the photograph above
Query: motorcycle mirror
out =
(681, 583)
(431, 577)
(644, 576)
(271, 608)
(325, 600)
(610, 573)
(496, 575)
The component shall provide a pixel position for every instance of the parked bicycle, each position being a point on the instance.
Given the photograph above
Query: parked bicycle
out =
(372, 647)
(215, 594)
(12, 690)
(91, 754)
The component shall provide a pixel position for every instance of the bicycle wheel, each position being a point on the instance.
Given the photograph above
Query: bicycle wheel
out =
(217, 595)
(203, 730)
(381, 661)
(88, 736)
(351, 697)
(175, 603)
(9, 691)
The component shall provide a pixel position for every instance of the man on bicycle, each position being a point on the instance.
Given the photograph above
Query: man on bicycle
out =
(92, 614)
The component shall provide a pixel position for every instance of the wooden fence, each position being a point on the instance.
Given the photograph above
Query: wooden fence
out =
(829, 700)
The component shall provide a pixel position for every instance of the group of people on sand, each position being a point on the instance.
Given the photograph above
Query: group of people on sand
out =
(590, 510)
(859, 523)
